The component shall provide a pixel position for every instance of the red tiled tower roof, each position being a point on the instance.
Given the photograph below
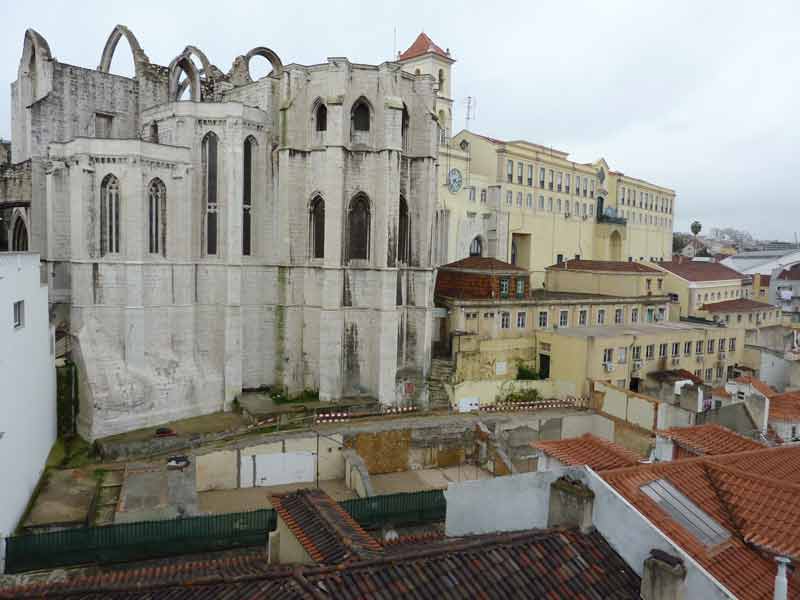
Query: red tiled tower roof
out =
(423, 45)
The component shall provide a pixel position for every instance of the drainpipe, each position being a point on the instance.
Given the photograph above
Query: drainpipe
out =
(781, 583)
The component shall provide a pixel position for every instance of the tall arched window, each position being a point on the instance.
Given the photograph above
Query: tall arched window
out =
(403, 234)
(321, 117)
(513, 252)
(19, 236)
(361, 116)
(317, 228)
(476, 247)
(250, 149)
(210, 166)
(358, 228)
(157, 217)
(405, 120)
(109, 215)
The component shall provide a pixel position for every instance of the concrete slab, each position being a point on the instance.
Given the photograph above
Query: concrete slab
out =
(151, 492)
(425, 479)
(64, 500)
(244, 499)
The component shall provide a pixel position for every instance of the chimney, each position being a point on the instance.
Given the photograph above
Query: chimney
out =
(571, 504)
(781, 583)
(663, 577)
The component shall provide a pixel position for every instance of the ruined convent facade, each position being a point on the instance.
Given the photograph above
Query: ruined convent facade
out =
(206, 233)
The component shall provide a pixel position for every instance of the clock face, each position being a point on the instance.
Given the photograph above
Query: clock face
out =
(454, 180)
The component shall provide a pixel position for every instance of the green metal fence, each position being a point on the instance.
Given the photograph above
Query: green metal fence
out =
(157, 539)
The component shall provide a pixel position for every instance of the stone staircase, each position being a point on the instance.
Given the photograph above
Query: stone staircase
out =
(441, 374)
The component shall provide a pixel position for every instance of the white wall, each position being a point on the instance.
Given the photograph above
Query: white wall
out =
(27, 372)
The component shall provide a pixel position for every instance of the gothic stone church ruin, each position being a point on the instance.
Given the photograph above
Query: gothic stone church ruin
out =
(204, 232)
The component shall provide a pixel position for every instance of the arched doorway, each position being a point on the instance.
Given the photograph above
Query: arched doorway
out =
(615, 246)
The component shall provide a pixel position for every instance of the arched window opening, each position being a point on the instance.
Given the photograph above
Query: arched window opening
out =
(154, 132)
(209, 170)
(19, 236)
(442, 127)
(109, 215)
(259, 67)
(317, 228)
(361, 116)
(157, 217)
(416, 71)
(404, 234)
(358, 229)
(476, 247)
(514, 252)
(250, 148)
(321, 118)
(406, 119)
(441, 80)
(5, 244)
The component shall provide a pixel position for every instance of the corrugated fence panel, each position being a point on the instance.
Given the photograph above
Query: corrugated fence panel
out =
(154, 539)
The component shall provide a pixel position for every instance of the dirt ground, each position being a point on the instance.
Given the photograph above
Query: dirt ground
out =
(425, 479)
(65, 498)
(244, 499)
(213, 423)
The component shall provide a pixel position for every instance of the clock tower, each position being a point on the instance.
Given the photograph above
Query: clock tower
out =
(424, 57)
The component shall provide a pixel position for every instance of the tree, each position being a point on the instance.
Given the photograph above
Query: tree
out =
(696, 228)
(679, 241)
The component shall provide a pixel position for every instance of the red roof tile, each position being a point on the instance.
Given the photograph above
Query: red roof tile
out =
(757, 384)
(694, 270)
(738, 502)
(552, 564)
(597, 453)
(738, 305)
(423, 45)
(325, 530)
(710, 439)
(791, 274)
(781, 463)
(617, 266)
(483, 263)
(721, 392)
(785, 407)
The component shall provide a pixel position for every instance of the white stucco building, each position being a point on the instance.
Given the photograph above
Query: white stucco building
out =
(27, 370)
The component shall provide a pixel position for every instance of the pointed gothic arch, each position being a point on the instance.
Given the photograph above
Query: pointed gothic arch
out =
(140, 59)
(19, 234)
(183, 63)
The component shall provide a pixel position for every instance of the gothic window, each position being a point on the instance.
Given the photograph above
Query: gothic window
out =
(358, 228)
(109, 215)
(360, 116)
(404, 128)
(19, 236)
(321, 118)
(404, 234)
(209, 170)
(441, 80)
(154, 132)
(476, 247)
(157, 217)
(250, 148)
(317, 228)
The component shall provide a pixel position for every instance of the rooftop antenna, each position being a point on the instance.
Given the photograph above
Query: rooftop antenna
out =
(394, 46)
(472, 106)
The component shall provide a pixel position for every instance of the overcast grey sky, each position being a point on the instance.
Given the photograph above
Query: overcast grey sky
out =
(700, 97)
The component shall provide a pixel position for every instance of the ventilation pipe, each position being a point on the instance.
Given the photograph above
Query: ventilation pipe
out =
(781, 583)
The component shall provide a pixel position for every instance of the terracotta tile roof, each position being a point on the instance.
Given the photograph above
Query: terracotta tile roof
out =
(422, 45)
(556, 563)
(781, 463)
(735, 500)
(483, 263)
(617, 266)
(700, 271)
(710, 439)
(791, 274)
(738, 305)
(785, 407)
(764, 279)
(757, 384)
(721, 392)
(597, 453)
(325, 530)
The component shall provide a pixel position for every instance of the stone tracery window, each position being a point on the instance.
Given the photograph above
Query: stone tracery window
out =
(209, 171)
(109, 215)
(19, 236)
(250, 148)
(404, 234)
(317, 227)
(157, 217)
(358, 224)
(321, 117)
(476, 247)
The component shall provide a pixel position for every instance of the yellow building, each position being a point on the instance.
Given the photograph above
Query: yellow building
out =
(627, 356)
(619, 278)
(696, 283)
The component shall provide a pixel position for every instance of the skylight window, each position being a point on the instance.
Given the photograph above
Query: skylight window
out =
(686, 513)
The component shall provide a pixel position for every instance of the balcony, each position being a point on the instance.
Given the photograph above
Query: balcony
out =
(612, 219)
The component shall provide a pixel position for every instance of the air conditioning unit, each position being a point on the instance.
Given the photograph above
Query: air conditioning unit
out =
(609, 366)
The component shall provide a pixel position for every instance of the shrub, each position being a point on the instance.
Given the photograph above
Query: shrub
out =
(526, 373)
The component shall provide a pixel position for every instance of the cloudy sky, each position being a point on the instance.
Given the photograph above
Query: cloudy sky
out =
(703, 97)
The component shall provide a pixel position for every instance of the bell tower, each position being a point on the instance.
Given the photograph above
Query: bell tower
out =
(424, 57)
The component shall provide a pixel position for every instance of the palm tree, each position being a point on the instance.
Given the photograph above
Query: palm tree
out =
(696, 227)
